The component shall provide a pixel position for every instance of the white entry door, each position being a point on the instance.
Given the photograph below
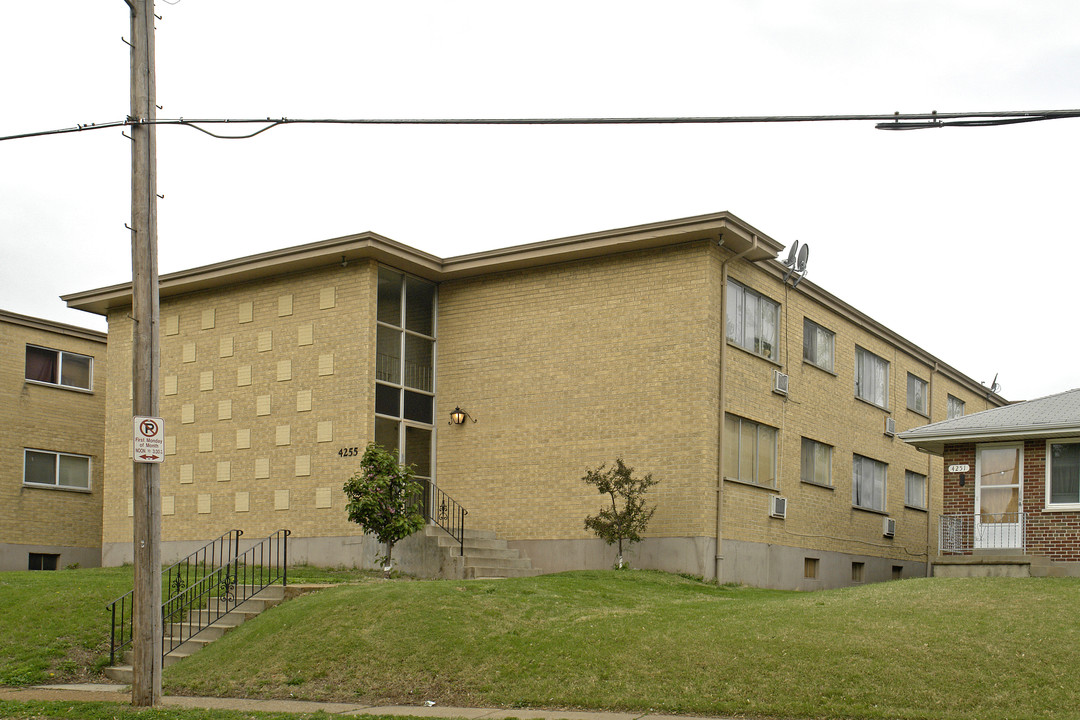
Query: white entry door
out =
(999, 496)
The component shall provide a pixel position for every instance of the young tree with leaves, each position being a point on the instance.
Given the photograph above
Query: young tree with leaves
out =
(384, 499)
(628, 515)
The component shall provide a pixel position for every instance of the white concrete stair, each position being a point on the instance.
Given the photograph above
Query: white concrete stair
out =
(246, 610)
(485, 555)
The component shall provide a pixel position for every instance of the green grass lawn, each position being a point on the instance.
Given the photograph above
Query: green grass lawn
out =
(964, 648)
(641, 641)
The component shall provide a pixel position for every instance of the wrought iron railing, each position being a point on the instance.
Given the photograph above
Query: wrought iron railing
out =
(186, 571)
(445, 512)
(214, 595)
(203, 587)
(962, 534)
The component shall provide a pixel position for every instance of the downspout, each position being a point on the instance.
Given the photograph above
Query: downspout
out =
(723, 404)
(930, 469)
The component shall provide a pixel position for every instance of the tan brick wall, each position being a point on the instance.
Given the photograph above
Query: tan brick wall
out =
(566, 367)
(49, 418)
(822, 406)
(262, 384)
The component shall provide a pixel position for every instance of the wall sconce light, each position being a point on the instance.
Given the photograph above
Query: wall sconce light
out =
(457, 416)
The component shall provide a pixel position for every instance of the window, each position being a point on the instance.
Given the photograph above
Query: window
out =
(52, 469)
(56, 367)
(857, 571)
(749, 451)
(916, 394)
(871, 377)
(816, 462)
(753, 320)
(43, 561)
(1063, 473)
(868, 484)
(915, 490)
(810, 568)
(955, 407)
(405, 369)
(897, 572)
(817, 345)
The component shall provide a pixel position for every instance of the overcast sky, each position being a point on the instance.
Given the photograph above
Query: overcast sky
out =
(961, 240)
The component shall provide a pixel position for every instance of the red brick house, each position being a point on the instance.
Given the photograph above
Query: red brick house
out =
(1011, 488)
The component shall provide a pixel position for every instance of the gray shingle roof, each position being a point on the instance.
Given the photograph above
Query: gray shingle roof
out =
(1051, 416)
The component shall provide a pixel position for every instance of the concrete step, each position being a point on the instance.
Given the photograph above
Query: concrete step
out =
(493, 573)
(471, 561)
(470, 533)
(120, 674)
(471, 543)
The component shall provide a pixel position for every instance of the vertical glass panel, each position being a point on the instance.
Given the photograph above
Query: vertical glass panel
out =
(419, 353)
(74, 471)
(387, 400)
(418, 450)
(389, 296)
(386, 434)
(766, 460)
(769, 321)
(806, 471)
(40, 468)
(747, 445)
(731, 446)
(752, 323)
(419, 306)
(388, 355)
(735, 314)
(418, 407)
(75, 371)
(824, 348)
(822, 464)
(999, 466)
(1065, 473)
(41, 364)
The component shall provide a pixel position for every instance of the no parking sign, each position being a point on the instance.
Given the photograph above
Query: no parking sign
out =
(149, 440)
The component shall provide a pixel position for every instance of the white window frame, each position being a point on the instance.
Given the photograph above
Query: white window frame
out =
(56, 471)
(733, 445)
(925, 395)
(952, 403)
(908, 501)
(1051, 506)
(736, 322)
(818, 331)
(855, 471)
(864, 387)
(813, 445)
(60, 355)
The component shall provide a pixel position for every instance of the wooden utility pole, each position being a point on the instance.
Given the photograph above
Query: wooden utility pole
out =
(146, 631)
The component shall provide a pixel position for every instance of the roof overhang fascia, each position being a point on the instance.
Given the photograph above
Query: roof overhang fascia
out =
(934, 442)
(52, 326)
(737, 236)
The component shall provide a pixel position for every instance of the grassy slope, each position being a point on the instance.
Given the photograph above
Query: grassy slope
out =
(53, 624)
(638, 640)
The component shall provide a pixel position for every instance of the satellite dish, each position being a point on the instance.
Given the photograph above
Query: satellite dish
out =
(800, 266)
(790, 261)
(804, 253)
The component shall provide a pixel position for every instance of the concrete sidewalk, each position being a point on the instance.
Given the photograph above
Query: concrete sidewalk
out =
(121, 693)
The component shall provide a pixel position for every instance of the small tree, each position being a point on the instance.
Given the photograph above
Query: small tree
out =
(615, 525)
(384, 499)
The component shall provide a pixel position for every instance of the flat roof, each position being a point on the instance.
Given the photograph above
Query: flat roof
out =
(52, 326)
(737, 235)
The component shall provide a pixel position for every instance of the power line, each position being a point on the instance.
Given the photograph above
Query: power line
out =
(894, 121)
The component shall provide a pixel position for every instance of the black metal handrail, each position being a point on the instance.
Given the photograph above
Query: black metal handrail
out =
(184, 572)
(212, 596)
(205, 586)
(445, 512)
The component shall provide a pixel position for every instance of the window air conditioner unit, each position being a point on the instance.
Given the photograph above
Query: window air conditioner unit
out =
(780, 381)
(890, 426)
(777, 506)
(889, 529)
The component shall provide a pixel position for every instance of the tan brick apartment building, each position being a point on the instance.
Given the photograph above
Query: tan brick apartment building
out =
(567, 353)
(52, 425)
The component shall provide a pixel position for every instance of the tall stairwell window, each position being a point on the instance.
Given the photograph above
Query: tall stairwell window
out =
(405, 369)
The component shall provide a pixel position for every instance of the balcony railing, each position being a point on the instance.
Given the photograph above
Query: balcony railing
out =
(963, 534)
